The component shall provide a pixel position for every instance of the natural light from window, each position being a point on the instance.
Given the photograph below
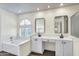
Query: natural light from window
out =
(25, 29)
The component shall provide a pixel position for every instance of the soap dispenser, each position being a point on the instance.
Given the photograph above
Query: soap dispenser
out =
(39, 35)
(61, 36)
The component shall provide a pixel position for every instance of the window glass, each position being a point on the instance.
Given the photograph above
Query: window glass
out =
(25, 28)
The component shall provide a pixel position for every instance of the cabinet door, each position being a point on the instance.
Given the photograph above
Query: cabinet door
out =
(33, 45)
(67, 48)
(59, 48)
(37, 46)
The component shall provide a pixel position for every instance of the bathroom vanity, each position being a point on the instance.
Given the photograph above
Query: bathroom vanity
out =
(63, 46)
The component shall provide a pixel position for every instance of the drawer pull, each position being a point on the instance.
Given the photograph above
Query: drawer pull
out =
(64, 42)
(35, 39)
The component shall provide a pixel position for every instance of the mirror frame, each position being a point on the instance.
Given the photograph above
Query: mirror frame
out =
(36, 24)
(67, 24)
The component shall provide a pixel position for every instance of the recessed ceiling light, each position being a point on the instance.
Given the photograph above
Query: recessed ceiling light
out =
(48, 6)
(61, 4)
(38, 9)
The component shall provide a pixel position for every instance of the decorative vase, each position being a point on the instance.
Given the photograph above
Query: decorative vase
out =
(61, 36)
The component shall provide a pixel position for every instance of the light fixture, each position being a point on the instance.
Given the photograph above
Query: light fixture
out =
(61, 4)
(38, 9)
(48, 6)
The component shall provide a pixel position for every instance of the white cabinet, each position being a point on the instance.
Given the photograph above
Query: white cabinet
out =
(68, 50)
(59, 48)
(37, 45)
(64, 48)
(10, 48)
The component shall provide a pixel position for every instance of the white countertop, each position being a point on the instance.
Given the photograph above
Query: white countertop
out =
(54, 38)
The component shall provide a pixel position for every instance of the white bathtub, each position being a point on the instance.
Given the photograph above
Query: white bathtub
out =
(17, 46)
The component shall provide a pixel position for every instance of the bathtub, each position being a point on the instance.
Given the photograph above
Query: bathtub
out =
(20, 47)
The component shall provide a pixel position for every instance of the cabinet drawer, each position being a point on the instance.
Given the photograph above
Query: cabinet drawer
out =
(49, 40)
(34, 41)
(45, 40)
(52, 40)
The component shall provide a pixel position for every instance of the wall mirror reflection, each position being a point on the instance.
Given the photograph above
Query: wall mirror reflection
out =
(40, 25)
(61, 24)
(75, 25)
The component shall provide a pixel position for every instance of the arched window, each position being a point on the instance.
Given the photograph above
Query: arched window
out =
(25, 28)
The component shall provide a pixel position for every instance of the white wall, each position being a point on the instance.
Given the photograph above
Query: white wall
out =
(8, 22)
(49, 18)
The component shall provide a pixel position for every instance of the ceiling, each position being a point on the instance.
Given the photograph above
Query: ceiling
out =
(19, 8)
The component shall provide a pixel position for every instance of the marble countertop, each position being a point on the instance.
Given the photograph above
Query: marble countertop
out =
(54, 38)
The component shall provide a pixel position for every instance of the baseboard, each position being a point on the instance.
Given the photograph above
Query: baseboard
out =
(49, 50)
(35, 53)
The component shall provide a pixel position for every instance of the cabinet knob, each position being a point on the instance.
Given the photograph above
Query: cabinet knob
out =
(63, 42)
(35, 39)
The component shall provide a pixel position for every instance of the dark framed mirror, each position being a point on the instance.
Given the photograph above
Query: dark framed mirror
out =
(40, 25)
(61, 24)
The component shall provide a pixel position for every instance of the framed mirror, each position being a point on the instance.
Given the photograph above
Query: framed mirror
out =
(40, 25)
(61, 24)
